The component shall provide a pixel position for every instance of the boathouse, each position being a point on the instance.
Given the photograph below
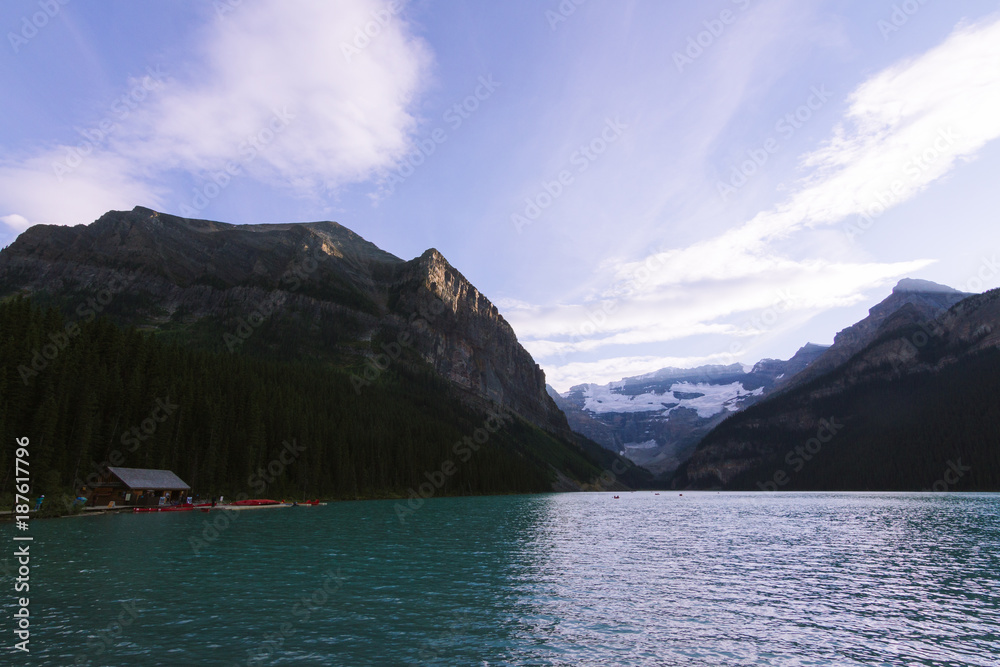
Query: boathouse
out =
(141, 487)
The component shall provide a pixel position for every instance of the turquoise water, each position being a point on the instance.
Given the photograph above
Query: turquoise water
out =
(572, 579)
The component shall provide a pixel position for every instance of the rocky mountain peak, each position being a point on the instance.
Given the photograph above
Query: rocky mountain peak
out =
(470, 343)
(778, 369)
(913, 299)
(324, 287)
(914, 383)
(433, 256)
(917, 285)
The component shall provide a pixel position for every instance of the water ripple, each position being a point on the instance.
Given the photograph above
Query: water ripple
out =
(583, 579)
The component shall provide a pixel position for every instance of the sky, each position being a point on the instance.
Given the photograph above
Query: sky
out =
(635, 184)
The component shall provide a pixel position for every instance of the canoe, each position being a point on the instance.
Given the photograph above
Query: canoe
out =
(181, 508)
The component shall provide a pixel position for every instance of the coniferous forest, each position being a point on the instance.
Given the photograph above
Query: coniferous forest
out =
(932, 431)
(230, 423)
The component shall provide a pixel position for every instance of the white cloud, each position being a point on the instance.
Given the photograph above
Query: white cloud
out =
(905, 128)
(15, 222)
(100, 183)
(703, 307)
(344, 116)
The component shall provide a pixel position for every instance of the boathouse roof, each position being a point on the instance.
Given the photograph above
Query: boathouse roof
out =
(144, 478)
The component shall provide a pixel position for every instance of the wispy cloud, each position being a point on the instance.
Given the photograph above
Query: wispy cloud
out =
(699, 307)
(905, 128)
(352, 116)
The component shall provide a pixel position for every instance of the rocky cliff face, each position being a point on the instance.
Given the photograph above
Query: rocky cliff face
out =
(468, 341)
(923, 298)
(311, 290)
(582, 422)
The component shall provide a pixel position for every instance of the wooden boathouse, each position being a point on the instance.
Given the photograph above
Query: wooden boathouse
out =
(139, 487)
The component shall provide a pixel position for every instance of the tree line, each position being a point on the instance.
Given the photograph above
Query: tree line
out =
(91, 394)
(928, 431)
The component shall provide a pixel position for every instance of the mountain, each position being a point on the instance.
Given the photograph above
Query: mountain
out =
(580, 421)
(656, 419)
(313, 293)
(903, 400)
(923, 298)
(314, 288)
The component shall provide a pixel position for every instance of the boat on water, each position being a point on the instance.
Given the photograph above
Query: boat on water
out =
(250, 503)
(176, 508)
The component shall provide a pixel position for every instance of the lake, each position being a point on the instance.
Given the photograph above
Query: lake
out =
(557, 579)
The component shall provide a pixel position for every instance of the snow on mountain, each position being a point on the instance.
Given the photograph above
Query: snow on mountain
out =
(706, 399)
(659, 417)
(648, 444)
(714, 399)
(601, 399)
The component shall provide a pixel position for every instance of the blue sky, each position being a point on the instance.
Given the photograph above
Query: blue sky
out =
(634, 184)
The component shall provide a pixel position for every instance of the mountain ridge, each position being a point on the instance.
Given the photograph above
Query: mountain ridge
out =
(657, 418)
(925, 297)
(313, 294)
(881, 384)
(196, 271)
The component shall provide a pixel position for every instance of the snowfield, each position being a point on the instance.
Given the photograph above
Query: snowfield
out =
(714, 399)
(649, 444)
